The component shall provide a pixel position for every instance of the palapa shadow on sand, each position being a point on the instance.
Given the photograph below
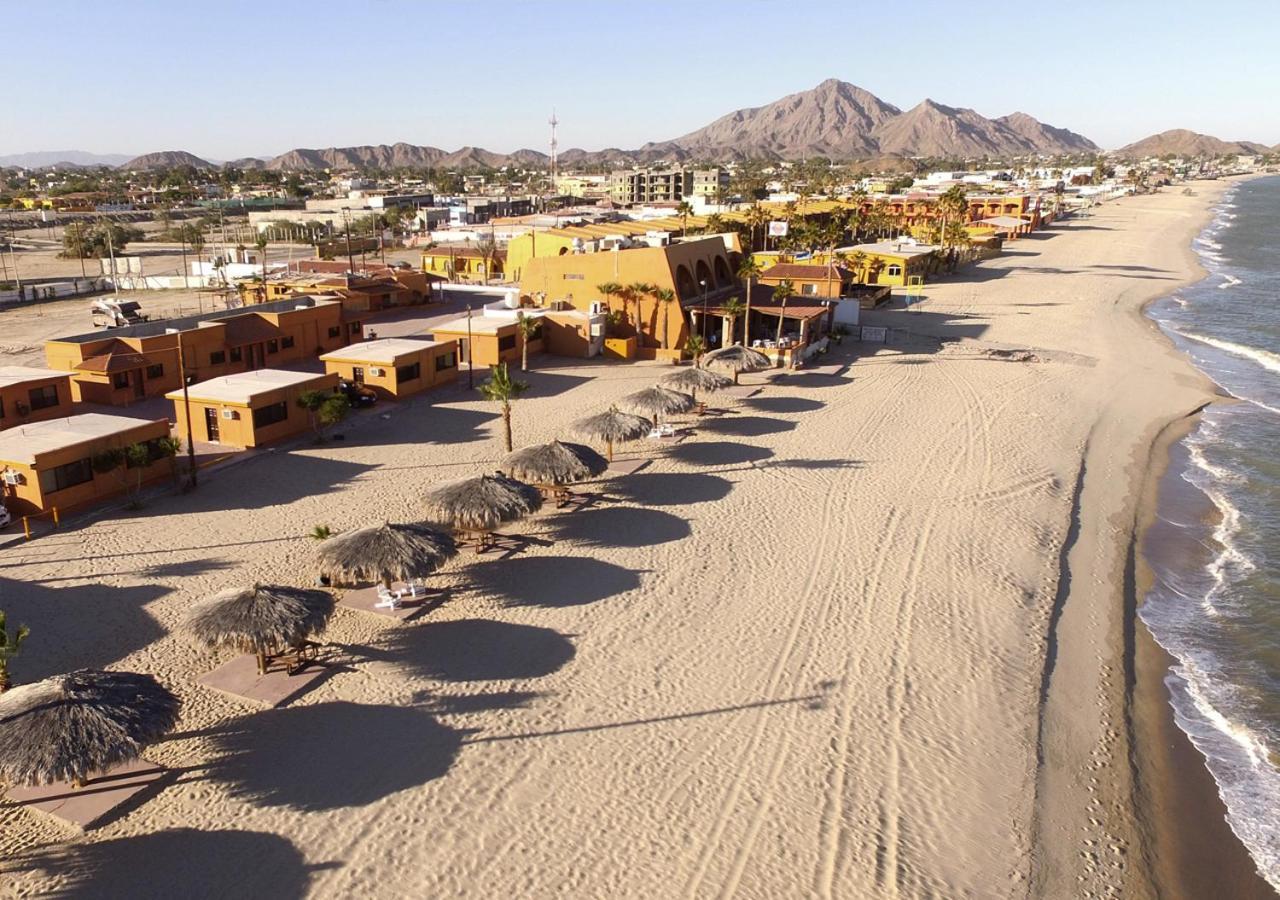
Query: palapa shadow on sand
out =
(332, 755)
(209, 865)
(619, 526)
(719, 453)
(748, 426)
(555, 581)
(466, 650)
(783, 404)
(673, 488)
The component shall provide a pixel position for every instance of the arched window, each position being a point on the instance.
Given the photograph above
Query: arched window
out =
(686, 287)
(703, 273)
(723, 278)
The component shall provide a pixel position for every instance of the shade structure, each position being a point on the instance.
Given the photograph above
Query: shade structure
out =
(694, 379)
(481, 503)
(68, 727)
(386, 552)
(658, 401)
(554, 463)
(737, 359)
(259, 619)
(611, 427)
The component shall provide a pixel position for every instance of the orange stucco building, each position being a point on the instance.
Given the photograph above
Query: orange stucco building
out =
(30, 394)
(50, 464)
(122, 365)
(396, 367)
(249, 409)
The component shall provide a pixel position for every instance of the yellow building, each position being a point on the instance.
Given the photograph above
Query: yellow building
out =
(50, 464)
(696, 271)
(486, 340)
(29, 394)
(123, 365)
(891, 263)
(464, 263)
(396, 367)
(250, 408)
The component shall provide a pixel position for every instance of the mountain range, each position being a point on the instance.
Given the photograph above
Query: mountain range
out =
(835, 119)
(1182, 142)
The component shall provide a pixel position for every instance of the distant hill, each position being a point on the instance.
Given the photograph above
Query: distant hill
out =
(245, 162)
(165, 159)
(40, 159)
(1183, 142)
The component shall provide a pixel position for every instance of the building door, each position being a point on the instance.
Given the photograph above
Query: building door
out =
(211, 423)
(139, 389)
(357, 374)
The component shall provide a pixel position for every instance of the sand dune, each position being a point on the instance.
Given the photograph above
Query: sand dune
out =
(800, 654)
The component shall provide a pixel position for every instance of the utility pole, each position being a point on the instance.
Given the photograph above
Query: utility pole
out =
(471, 384)
(186, 414)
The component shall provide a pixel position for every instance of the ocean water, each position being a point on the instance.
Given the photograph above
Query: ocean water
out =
(1215, 549)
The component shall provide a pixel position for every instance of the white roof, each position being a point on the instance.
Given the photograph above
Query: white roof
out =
(1006, 221)
(893, 248)
(382, 350)
(479, 325)
(11, 375)
(244, 386)
(22, 443)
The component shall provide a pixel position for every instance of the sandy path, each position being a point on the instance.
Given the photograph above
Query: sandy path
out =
(799, 655)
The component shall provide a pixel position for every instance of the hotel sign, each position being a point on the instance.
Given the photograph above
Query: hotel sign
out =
(778, 229)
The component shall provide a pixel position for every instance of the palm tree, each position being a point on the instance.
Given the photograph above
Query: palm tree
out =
(528, 328)
(9, 646)
(608, 289)
(748, 270)
(858, 259)
(665, 297)
(695, 346)
(731, 309)
(757, 216)
(784, 290)
(634, 292)
(502, 388)
(684, 210)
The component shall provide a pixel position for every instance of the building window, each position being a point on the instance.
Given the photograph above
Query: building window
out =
(237, 354)
(270, 415)
(408, 373)
(120, 380)
(353, 328)
(508, 342)
(446, 361)
(335, 331)
(155, 371)
(273, 346)
(217, 357)
(44, 397)
(894, 271)
(810, 289)
(62, 477)
(286, 342)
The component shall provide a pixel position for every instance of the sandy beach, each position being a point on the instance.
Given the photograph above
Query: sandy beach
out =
(859, 636)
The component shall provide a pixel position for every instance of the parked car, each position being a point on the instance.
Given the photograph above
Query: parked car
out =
(357, 394)
(5, 517)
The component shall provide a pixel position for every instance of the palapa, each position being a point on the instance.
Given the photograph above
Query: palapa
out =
(555, 463)
(262, 620)
(386, 552)
(694, 379)
(611, 427)
(658, 401)
(68, 727)
(738, 359)
(481, 503)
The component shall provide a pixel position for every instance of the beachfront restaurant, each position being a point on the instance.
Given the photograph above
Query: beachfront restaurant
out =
(806, 325)
(395, 367)
(47, 465)
(248, 409)
(30, 394)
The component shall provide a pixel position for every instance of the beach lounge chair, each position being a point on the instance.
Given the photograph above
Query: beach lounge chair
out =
(664, 431)
(387, 598)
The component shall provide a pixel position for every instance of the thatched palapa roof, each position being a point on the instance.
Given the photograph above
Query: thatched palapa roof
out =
(693, 378)
(611, 426)
(68, 727)
(385, 552)
(554, 463)
(481, 503)
(259, 619)
(658, 401)
(737, 358)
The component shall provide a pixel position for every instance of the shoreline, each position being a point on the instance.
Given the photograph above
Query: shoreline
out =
(1189, 847)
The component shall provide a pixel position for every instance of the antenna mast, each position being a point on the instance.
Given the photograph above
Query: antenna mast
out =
(553, 122)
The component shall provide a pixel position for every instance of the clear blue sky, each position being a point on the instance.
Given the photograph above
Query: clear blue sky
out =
(250, 78)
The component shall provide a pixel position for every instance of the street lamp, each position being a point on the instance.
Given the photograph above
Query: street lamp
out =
(703, 282)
